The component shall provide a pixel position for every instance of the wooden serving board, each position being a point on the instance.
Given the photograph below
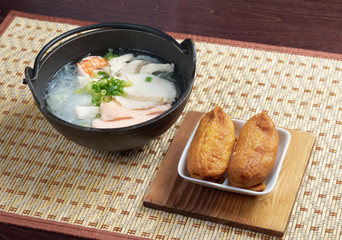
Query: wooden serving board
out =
(267, 214)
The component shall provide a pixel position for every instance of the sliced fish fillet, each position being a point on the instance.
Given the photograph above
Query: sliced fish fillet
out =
(132, 67)
(118, 63)
(157, 67)
(156, 89)
(134, 104)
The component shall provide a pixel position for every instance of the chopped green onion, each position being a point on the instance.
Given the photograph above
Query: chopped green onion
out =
(128, 83)
(79, 90)
(110, 55)
(104, 89)
(97, 95)
(103, 82)
(121, 91)
(97, 87)
(101, 73)
(87, 87)
(92, 91)
(107, 98)
(148, 79)
(95, 101)
(98, 115)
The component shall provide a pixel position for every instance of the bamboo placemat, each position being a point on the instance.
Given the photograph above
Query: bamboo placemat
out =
(46, 177)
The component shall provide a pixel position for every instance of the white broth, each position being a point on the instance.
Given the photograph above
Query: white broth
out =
(111, 92)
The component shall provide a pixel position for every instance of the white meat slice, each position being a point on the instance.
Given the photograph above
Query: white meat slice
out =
(114, 111)
(155, 90)
(82, 81)
(117, 63)
(133, 67)
(86, 112)
(134, 104)
(157, 67)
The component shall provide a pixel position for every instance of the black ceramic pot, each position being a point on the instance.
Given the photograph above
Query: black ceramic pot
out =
(79, 42)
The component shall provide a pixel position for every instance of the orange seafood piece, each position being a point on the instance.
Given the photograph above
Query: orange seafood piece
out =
(212, 146)
(255, 153)
(89, 64)
(113, 115)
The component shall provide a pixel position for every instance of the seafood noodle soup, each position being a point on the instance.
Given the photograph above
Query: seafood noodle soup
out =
(112, 90)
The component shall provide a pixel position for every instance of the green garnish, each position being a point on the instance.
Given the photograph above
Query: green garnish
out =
(79, 90)
(105, 89)
(103, 92)
(95, 101)
(101, 73)
(110, 55)
(98, 115)
(148, 79)
(107, 98)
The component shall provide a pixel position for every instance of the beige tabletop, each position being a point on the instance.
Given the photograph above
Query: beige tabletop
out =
(47, 177)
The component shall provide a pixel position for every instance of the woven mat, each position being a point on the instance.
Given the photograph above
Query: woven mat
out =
(45, 176)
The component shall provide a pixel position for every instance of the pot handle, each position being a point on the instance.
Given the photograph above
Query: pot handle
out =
(102, 26)
(28, 80)
(189, 48)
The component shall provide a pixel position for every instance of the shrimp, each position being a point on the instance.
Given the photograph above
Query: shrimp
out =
(89, 64)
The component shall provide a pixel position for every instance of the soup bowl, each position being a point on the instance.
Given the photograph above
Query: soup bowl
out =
(81, 41)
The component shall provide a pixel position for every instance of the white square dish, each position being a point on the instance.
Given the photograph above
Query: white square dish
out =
(284, 141)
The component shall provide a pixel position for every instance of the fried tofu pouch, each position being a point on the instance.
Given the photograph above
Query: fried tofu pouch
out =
(212, 146)
(255, 153)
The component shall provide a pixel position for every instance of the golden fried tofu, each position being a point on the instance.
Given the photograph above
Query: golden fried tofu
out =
(255, 153)
(212, 146)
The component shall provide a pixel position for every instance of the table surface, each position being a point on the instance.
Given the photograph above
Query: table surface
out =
(313, 25)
